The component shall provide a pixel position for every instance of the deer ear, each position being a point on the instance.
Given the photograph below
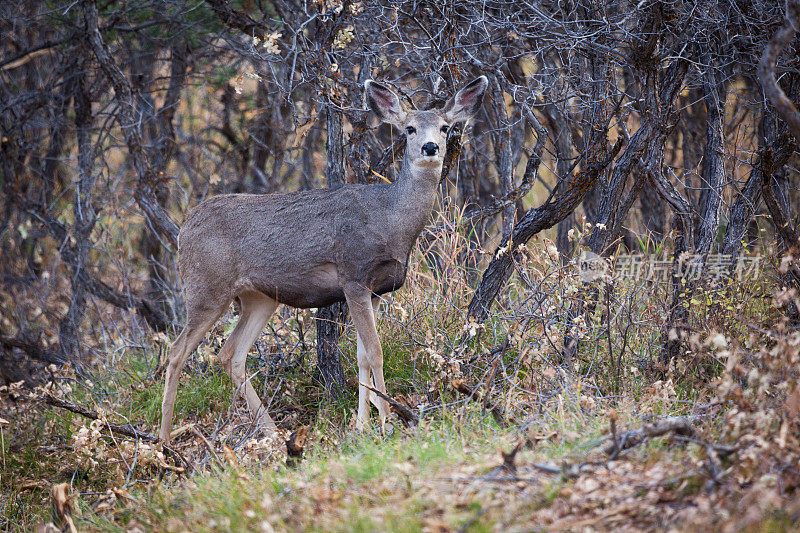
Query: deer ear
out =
(384, 103)
(466, 102)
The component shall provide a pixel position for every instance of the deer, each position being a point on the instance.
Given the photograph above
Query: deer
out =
(310, 249)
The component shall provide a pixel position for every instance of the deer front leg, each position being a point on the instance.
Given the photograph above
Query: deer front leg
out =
(370, 355)
(362, 418)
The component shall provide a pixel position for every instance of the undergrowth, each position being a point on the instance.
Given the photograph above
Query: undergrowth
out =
(553, 416)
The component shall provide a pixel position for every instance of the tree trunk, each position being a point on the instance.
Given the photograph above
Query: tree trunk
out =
(713, 182)
(569, 193)
(789, 243)
(652, 210)
(501, 139)
(563, 149)
(85, 218)
(713, 169)
(784, 106)
(330, 320)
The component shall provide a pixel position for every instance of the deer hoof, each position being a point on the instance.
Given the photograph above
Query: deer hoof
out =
(362, 425)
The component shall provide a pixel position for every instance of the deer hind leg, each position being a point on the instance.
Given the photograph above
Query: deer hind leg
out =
(370, 355)
(199, 319)
(256, 308)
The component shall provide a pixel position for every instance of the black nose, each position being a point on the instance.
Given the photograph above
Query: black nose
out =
(430, 148)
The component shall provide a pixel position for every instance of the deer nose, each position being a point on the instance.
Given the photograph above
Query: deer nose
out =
(430, 148)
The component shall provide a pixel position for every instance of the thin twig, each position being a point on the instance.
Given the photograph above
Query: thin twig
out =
(209, 447)
(127, 430)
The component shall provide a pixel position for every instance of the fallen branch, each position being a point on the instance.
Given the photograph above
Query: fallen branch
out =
(188, 467)
(720, 449)
(408, 416)
(472, 394)
(509, 466)
(509, 463)
(680, 425)
(127, 430)
(209, 447)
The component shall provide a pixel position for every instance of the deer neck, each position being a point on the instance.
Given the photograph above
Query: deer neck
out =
(415, 191)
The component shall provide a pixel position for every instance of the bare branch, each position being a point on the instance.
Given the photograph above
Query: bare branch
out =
(766, 69)
(127, 430)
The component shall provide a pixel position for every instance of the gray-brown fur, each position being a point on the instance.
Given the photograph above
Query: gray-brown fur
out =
(301, 248)
(312, 248)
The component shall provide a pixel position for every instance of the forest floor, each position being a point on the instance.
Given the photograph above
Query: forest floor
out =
(612, 443)
(561, 469)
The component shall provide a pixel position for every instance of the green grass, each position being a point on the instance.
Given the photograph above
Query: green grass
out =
(371, 483)
(410, 481)
(199, 392)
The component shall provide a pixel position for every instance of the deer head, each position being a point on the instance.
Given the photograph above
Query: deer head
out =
(426, 131)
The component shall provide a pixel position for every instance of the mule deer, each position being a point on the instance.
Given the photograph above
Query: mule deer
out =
(311, 249)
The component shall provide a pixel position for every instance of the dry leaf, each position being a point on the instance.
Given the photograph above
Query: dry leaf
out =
(62, 505)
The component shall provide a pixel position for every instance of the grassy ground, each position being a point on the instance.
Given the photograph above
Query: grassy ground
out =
(542, 463)
(446, 474)
(443, 475)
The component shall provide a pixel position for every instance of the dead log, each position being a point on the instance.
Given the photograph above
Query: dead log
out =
(680, 425)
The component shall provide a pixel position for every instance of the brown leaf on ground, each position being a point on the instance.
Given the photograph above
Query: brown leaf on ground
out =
(62, 505)
(295, 446)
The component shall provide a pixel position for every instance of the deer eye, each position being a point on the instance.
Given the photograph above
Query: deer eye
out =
(411, 130)
(445, 128)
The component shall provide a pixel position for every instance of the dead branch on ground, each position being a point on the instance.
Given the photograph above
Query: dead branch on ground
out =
(126, 430)
(408, 416)
(680, 425)
(472, 393)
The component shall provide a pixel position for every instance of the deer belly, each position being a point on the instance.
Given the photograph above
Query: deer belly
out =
(388, 276)
(305, 298)
(313, 286)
